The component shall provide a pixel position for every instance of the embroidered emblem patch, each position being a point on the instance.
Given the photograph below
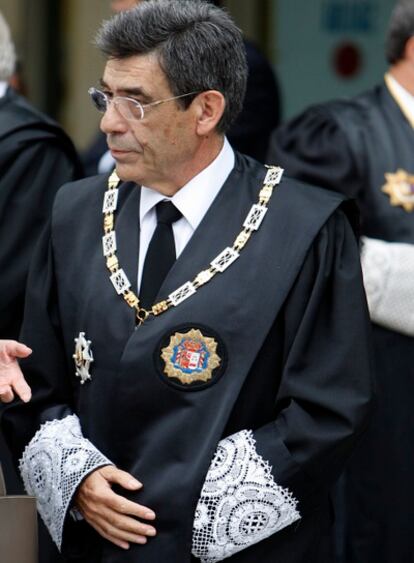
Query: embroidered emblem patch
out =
(400, 188)
(191, 357)
(83, 357)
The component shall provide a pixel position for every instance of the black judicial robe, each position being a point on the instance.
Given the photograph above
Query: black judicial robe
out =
(291, 319)
(349, 146)
(36, 158)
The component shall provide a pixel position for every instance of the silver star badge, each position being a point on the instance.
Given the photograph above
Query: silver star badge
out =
(83, 357)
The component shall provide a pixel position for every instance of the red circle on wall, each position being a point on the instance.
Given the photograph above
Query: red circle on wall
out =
(347, 60)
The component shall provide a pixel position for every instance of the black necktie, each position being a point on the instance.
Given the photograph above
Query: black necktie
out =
(160, 255)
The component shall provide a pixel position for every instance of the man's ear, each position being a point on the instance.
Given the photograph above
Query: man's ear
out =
(209, 107)
(409, 50)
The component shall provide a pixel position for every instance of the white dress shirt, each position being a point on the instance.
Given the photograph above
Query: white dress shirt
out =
(192, 200)
(404, 96)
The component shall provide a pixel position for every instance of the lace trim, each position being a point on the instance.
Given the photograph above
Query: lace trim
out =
(388, 270)
(240, 502)
(53, 465)
(376, 266)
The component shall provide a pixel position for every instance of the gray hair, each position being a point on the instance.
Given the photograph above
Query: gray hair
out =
(400, 29)
(7, 51)
(198, 47)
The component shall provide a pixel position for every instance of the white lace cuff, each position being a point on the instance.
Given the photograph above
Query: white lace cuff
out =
(240, 502)
(53, 465)
(388, 269)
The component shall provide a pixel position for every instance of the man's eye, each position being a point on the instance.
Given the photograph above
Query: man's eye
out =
(135, 100)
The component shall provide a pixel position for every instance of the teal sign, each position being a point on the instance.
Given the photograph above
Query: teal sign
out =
(341, 16)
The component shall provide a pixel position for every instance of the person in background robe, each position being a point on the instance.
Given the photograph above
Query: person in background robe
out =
(36, 158)
(200, 369)
(364, 148)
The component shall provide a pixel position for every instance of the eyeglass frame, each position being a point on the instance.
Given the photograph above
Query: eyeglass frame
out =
(136, 103)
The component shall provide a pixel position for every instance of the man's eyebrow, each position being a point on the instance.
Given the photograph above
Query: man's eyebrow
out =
(128, 91)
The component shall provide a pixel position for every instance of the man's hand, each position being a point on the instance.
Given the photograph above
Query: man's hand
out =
(113, 516)
(11, 377)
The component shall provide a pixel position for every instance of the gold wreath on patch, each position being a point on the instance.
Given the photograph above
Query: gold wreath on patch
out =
(190, 357)
(400, 188)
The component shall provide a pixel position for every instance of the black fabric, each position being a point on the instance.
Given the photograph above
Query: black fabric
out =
(36, 158)
(160, 254)
(349, 146)
(290, 313)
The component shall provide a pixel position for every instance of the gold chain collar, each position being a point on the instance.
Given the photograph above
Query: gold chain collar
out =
(229, 255)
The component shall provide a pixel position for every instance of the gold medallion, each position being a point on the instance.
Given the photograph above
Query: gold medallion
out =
(190, 357)
(400, 188)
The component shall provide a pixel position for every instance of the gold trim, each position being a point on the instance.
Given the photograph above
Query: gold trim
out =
(272, 179)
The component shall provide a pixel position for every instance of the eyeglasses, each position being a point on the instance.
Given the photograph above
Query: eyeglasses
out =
(130, 109)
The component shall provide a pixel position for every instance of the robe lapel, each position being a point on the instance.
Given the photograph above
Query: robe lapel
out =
(121, 320)
(127, 230)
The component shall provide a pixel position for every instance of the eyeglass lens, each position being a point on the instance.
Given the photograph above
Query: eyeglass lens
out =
(129, 109)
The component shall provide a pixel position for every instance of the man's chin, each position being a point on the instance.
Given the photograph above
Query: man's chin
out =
(126, 172)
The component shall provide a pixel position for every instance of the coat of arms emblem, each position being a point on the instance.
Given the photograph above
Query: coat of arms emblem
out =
(190, 357)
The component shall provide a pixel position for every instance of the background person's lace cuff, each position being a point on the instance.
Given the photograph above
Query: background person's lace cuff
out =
(240, 502)
(53, 465)
(388, 269)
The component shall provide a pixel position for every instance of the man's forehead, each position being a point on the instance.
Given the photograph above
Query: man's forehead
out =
(142, 69)
(121, 5)
(134, 64)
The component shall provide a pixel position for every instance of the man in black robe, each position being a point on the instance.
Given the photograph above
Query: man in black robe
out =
(364, 148)
(206, 418)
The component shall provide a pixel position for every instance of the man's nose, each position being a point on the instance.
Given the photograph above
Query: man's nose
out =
(112, 121)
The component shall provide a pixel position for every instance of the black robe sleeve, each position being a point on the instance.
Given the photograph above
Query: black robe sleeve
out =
(51, 392)
(31, 171)
(54, 460)
(323, 405)
(315, 148)
(326, 388)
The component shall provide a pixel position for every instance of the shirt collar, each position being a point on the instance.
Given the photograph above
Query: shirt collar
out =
(3, 88)
(404, 96)
(195, 197)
